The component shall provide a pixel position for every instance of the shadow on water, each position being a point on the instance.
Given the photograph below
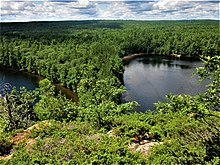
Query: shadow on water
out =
(165, 62)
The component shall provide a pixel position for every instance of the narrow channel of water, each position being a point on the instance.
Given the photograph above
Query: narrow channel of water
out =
(148, 79)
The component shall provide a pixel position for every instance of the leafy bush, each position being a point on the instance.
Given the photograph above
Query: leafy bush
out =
(52, 106)
(17, 108)
(75, 143)
(5, 146)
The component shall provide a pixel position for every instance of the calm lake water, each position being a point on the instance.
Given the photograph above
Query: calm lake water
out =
(30, 81)
(18, 79)
(149, 79)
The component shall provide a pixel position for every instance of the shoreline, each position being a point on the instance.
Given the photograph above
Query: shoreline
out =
(132, 56)
(177, 56)
(66, 91)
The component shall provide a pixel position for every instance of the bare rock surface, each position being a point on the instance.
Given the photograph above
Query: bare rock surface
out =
(144, 147)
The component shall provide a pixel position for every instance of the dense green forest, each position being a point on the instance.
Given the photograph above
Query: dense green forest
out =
(86, 56)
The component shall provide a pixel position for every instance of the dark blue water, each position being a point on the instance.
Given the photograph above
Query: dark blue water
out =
(18, 79)
(30, 81)
(149, 79)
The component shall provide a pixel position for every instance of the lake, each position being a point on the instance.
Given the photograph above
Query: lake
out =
(18, 79)
(148, 79)
(30, 81)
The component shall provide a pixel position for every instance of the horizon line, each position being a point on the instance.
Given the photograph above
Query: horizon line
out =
(201, 19)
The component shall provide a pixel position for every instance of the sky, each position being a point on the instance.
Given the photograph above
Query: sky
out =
(56, 10)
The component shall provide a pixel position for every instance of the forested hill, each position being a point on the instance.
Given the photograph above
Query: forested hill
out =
(189, 38)
(86, 56)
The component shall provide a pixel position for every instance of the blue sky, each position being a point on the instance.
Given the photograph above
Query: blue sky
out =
(53, 10)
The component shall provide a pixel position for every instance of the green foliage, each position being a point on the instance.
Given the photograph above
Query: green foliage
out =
(94, 92)
(188, 137)
(52, 106)
(74, 143)
(178, 152)
(211, 70)
(5, 146)
(17, 108)
(102, 115)
(58, 107)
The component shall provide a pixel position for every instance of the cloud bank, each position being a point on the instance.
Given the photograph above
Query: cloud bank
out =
(53, 10)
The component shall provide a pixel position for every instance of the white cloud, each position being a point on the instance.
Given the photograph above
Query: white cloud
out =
(187, 9)
(9, 5)
(33, 10)
(116, 10)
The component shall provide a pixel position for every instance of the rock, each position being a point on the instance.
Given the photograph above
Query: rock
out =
(112, 132)
(19, 137)
(29, 143)
(96, 137)
(6, 157)
(45, 123)
(133, 147)
(144, 147)
(144, 142)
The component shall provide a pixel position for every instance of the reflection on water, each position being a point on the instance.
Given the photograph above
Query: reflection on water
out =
(149, 79)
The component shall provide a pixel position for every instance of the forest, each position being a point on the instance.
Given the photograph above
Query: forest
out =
(43, 126)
